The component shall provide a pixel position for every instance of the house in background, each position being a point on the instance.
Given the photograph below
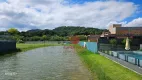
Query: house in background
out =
(119, 31)
(116, 31)
(93, 38)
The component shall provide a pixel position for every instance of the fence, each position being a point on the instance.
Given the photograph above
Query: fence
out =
(136, 41)
(81, 43)
(94, 47)
(130, 59)
(91, 46)
(124, 61)
(134, 57)
(7, 45)
(109, 47)
(6, 37)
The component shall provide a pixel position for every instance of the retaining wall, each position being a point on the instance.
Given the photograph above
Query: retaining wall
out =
(7, 46)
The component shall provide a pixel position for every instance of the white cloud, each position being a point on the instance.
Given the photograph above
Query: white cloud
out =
(114, 22)
(135, 23)
(24, 14)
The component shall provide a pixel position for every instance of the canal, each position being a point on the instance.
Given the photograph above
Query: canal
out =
(49, 63)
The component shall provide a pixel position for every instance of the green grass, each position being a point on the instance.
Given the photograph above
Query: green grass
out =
(25, 47)
(103, 68)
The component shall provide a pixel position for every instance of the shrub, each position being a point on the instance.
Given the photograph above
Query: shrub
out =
(113, 41)
(21, 41)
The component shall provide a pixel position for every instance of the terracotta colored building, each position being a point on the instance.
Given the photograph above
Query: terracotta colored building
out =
(125, 31)
(112, 28)
(93, 38)
(118, 32)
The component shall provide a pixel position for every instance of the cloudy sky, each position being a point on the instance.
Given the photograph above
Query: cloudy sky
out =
(49, 14)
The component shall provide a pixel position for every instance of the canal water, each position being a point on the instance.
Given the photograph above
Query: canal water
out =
(49, 63)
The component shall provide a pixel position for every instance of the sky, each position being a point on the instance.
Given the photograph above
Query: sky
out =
(49, 14)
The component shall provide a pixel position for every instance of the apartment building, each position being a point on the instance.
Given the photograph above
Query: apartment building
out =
(118, 30)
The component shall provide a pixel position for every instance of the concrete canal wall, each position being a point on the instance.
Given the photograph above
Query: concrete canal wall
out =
(7, 45)
(140, 46)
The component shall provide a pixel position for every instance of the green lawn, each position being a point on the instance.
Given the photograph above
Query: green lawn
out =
(103, 68)
(25, 47)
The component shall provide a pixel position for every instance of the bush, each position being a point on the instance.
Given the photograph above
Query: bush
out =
(20, 41)
(58, 38)
(82, 37)
(113, 41)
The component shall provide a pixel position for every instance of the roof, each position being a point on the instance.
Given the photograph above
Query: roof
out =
(93, 36)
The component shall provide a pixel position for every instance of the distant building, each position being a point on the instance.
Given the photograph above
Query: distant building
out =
(116, 31)
(93, 38)
(125, 31)
(105, 34)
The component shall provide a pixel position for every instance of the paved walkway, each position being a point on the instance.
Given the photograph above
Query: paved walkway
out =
(124, 63)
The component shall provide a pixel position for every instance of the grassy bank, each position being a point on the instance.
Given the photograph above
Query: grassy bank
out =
(103, 68)
(25, 47)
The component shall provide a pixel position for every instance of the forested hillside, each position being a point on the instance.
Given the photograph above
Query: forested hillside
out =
(71, 30)
(57, 34)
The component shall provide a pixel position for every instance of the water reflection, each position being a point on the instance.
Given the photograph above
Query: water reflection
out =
(51, 63)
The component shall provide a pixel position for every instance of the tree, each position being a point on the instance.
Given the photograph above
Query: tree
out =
(82, 37)
(13, 31)
(35, 38)
(113, 42)
(44, 37)
(58, 34)
(18, 38)
(58, 38)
